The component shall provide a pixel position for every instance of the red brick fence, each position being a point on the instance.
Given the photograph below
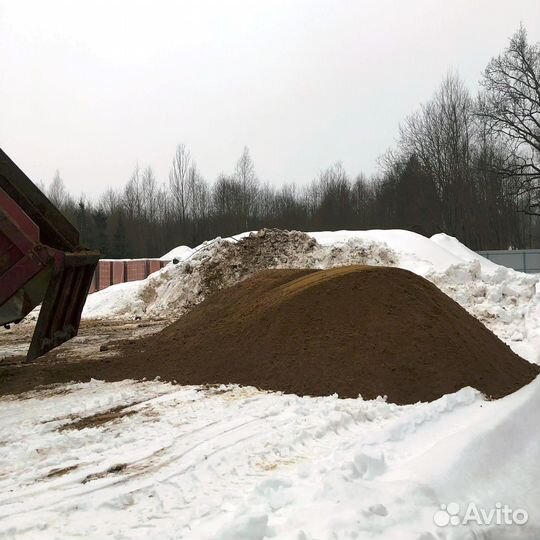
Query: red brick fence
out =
(112, 271)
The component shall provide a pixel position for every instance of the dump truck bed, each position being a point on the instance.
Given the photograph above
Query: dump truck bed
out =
(41, 262)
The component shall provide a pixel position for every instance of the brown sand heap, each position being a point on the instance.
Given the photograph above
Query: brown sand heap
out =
(349, 330)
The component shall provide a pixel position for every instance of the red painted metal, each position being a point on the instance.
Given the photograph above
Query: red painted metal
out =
(136, 270)
(153, 266)
(114, 271)
(23, 224)
(40, 262)
(24, 257)
(104, 274)
(118, 272)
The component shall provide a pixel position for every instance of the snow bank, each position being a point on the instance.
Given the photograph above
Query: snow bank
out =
(454, 246)
(121, 299)
(231, 463)
(506, 301)
(415, 252)
(181, 253)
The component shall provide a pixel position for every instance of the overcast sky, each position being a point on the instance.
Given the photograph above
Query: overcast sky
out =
(93, 87)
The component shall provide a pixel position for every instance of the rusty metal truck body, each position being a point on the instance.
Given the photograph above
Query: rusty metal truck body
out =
(41, 262)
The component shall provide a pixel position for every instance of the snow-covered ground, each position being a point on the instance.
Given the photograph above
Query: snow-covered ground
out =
(234, 463)
(149, 459)
(506, 301)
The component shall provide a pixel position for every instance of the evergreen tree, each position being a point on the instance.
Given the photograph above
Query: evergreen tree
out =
(418, 207)
(119, 250)
(100, 227)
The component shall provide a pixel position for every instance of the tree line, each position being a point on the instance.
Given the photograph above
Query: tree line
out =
(467, 165)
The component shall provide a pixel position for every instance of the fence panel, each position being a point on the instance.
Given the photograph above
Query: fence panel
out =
(104, 274)
(136, 270)
(118, 272)
(110, 271)
(523, 260)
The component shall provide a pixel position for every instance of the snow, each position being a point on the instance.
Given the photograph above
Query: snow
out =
(233, 463)
(125, 297)
(417, 253)
(181, 253)
(506, 301)
(454, 246)
(237, 463)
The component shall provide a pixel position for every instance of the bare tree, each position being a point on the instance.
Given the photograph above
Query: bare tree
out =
(133, 195)
(200, 205)
(110, 201)
(246, 177)
(57, 191)
(179, 182)
(150, 193)
(510, 105)
(441, 135)
(331, 198)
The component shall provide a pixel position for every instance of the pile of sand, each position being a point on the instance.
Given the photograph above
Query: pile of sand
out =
(368, 330)
(350, 330)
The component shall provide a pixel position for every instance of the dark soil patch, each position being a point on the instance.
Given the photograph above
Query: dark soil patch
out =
(98, 419)
(55, 473)
(74, 361)
(111, 470)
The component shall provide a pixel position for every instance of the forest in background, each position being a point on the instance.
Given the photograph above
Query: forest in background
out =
(465, 165)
